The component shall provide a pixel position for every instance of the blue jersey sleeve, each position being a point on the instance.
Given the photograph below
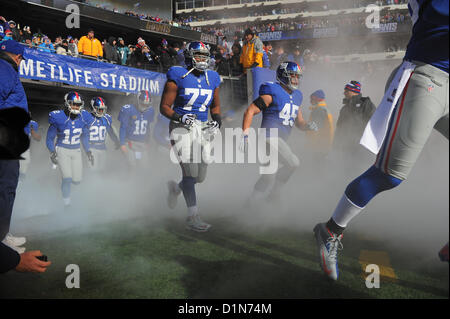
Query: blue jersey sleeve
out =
(266, 89)
(52, 131)
(174, 74)
(34, 125)
(214, 78)
(437, 12)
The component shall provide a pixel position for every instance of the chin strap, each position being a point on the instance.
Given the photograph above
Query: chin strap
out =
(206, 75)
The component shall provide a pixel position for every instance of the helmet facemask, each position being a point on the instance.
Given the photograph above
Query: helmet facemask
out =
(290, 78)
(200, 60)
(74, 108)
(99, 111)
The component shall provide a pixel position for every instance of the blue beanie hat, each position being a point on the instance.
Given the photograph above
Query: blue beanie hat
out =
(320, 94)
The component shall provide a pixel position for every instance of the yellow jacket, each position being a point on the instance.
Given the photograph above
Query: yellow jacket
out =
(90, 47)
(252, 52)
(322, 140)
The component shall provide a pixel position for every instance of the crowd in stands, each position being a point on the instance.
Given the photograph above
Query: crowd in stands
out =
(306, 23)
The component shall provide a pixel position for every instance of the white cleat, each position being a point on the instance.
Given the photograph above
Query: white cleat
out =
(10, 240)
(173, 194)
(196, 224)
(67, 202)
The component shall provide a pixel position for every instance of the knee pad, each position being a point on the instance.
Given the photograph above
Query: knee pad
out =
(369, 184)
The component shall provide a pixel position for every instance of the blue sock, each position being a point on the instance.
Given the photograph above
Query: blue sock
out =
(368, 185)
(188, 188)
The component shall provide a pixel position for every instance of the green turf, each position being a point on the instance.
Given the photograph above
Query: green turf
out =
(147, 258)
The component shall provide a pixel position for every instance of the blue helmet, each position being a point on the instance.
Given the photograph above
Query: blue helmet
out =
(98, 106)
(74, 102)
(197, 56)
(289, 74)
(144, 99)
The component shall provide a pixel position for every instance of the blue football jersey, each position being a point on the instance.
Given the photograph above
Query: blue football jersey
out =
(99, 128)
(194, 95)
(429, 41)
(135, 125)
(282, 113)
(31, 125)
(69, 133)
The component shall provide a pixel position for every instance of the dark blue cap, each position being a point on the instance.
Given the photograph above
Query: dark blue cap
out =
(12, 46)
(320, 94)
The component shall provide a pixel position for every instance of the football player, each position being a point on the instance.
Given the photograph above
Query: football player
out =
(99, 128)
(70, 127)
(420, 86)
(192, 91)
(32, 131)
(280, 104)
(134, 133)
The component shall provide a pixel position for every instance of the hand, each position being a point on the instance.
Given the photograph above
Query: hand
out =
(124, 149)
(212, 127)
(2, 19)
(188, 119)
(243, 146)
(312, 126)
(29, 262)
(54, 158)
(90, 157)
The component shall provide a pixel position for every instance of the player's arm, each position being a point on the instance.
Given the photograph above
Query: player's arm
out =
(50, 139)
(215, 108)
(113, 136)
(35, 134)
(303, 125)
(259, 105)
(85, 138)
(168, 99)
(123, 119)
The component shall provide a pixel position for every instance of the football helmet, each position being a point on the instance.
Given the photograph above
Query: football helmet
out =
(98, 106)
(289, 74)
(143, 100)
(74, 102)
(197, 56)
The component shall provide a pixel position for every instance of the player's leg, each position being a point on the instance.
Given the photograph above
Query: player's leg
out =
(9, 176)
(77, 166)
(65, 165)
(289, 163)
(24, 164)
(97, 160)
(422, 105)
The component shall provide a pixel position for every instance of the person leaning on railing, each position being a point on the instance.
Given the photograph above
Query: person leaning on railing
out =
(89, 45)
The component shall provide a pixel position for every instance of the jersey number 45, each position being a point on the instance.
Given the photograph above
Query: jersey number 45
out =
(289, 114)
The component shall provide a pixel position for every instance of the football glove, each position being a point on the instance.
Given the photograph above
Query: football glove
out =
(54, 158)
(312, 126)
(212, 127)
(243, 146)
(90, 157)
(188, 119)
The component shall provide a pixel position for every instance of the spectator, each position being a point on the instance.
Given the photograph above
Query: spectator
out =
(110, 50)
(353, 118)
(222, 66)
(180, 54)
(15, 32)
(278, 57)
(26, 35)
(89, 45)
(297, 56)
(167, 56)
(4, 27)
(320, 142)
(62, 48)
(252, 52)
(72, 47)
(46, 46)
(235, 61)
(123, 51)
